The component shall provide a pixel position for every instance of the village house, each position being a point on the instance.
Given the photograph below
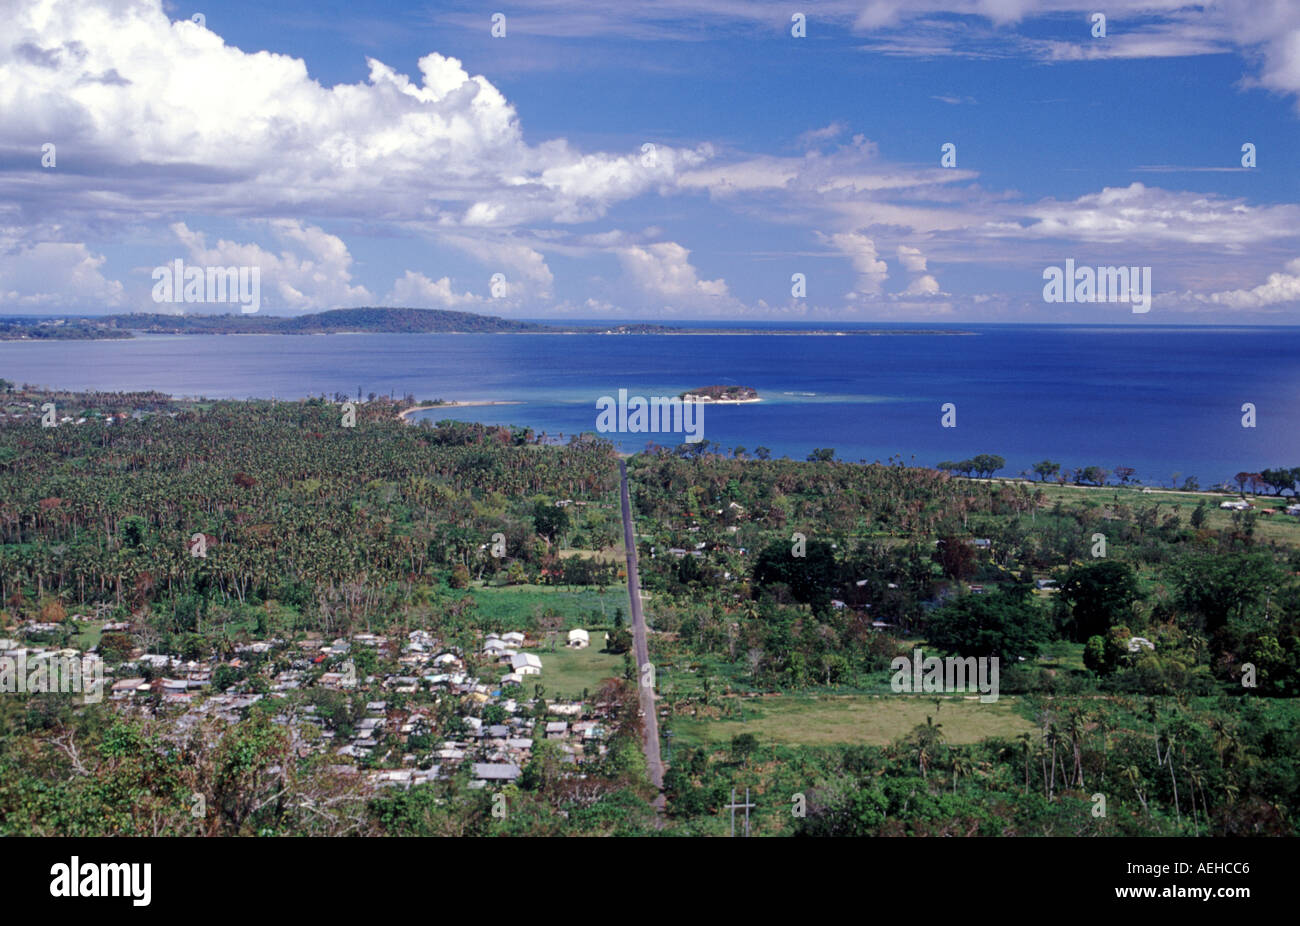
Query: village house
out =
(413, 660)
(557, 730)
(157, 661)
(419, 641)
(126, 687)
(394, 778)
(286, 681)
(587, 729)
(495, 772)
(450, 752)
(423, 776)
(526, 664)
(336, 680)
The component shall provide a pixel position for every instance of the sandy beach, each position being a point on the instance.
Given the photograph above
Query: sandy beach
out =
(469, 402)
(752, 401)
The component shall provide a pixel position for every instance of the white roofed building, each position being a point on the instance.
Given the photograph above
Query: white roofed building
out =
(526, 664)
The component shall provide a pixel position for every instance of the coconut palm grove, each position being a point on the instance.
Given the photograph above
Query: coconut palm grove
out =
(332, 663)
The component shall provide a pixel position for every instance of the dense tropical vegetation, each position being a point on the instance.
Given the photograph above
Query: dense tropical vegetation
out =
(1152, 673)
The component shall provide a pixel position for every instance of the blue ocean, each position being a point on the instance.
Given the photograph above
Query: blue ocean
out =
(1166, 401)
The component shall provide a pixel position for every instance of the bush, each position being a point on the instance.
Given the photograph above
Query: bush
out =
(619, 641)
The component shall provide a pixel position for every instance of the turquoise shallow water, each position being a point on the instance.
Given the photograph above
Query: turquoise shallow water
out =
(1160, 400)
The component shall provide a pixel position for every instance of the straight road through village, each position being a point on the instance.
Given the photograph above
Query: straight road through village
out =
(650, 719)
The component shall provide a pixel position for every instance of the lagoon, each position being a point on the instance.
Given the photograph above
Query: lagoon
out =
(1163, 400)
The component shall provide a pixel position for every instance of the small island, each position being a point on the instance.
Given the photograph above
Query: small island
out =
(722, 395)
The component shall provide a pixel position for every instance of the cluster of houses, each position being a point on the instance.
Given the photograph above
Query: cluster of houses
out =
(504, 648)
(732, 511)
(20, 410)
(21, 663)
(1240, 504)
(495, 751)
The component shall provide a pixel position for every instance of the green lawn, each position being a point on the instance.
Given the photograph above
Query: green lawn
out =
(854, 720)
(566, 672)
(1063, 654)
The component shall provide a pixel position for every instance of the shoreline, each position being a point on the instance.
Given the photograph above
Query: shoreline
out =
(133, 334)
(26, 396)
(725, 401)
(469, 403)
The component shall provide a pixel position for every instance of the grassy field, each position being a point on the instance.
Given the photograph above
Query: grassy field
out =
(1063, 654)
(88, 635)
(854, 720)
(566, 672)
(614, 555)
(515, 607)
(1281, 527)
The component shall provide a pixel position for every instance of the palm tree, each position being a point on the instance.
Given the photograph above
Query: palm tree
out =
(1026, 741)
(961, 765)
(1197, 778)
(1074, 729)
(925, 739)
(1134, 776)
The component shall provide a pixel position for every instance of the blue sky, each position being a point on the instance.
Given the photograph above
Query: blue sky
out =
(401, 154)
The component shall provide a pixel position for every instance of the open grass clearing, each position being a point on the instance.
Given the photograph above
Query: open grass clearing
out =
(855, 720)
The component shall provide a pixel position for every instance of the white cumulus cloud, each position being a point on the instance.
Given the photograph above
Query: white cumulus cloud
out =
(57, 275)
(312, 273)
(1281, 288)
(415, 290)
(664, 269)
(162, 107)
(861, 252)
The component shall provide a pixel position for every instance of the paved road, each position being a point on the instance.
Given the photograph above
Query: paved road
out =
(639, 647)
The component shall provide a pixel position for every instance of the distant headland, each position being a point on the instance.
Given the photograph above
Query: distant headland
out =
(368, 320)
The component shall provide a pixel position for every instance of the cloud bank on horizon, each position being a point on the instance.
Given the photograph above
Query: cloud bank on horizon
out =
(858, 161)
